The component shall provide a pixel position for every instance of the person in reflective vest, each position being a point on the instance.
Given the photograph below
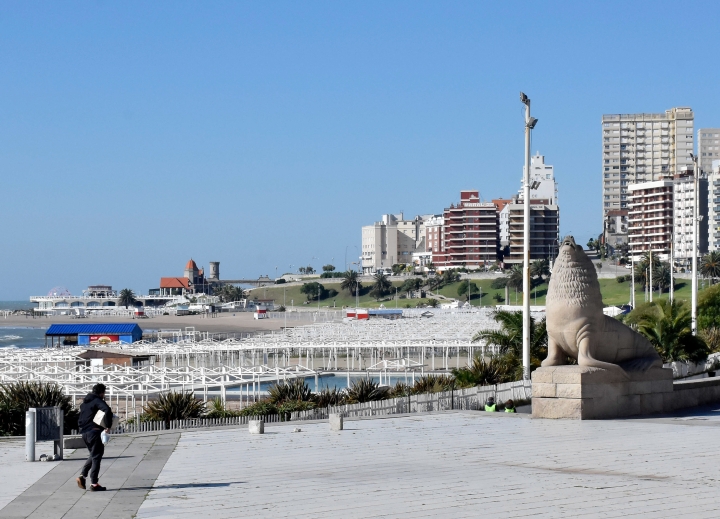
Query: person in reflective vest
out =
(490, 405)
(510, 406)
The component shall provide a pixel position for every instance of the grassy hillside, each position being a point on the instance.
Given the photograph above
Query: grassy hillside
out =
(614, 293)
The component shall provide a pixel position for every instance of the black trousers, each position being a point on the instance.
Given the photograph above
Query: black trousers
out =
(97, 449)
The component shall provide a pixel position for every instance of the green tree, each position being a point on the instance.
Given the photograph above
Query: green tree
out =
(381, 286)
(709, 307)
(432, 303)
(515, 279)
(398, 268)
(710, 265)
(667, 325)
(328, 268)
(411, 285)
(229, 293)
(508, 339)
(313, 291)
(351, 282)
(540, 268)
(127, 298)
(467, 289)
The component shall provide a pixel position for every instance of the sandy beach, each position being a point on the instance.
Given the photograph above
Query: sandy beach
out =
(241, 322)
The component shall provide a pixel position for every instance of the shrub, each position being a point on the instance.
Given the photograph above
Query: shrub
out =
(292, 406)
(495, 370)
(709, 307)
(399, 390)
(16, 398)
(365, 390)
(499, 283)
(262, 408)
(327, 397)
(174, 406)
(621, 279)
(281, 308)
(219, 410)
(433, 384)
(295, 389)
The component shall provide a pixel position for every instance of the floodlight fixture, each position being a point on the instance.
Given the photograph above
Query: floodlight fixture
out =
(532, 122)
(535, 185)
(524, 99)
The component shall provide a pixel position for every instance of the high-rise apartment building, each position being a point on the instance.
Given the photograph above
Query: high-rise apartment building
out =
(708, 147)
(392, 240)
(714, 206)
(643, 148)
(544, 230)
(684, 203)
(470, 232)
(650, 218)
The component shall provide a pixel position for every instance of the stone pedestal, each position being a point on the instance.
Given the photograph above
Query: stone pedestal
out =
(582, 393)
(336, 422)
(256, 427)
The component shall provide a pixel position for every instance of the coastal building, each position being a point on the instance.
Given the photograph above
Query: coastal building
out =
(96, 297)
(542, 181)
(714, 206)
(503, 219)
(193, 281)
(638, 148)
(616, 227)
(708, 148)
(470, 233)
(435, 237)
(544, 230)
(684, 203)
(650, 218)
(392, 240)
(92, 333)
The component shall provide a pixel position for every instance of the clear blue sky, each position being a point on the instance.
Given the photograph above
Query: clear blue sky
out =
(134, 136)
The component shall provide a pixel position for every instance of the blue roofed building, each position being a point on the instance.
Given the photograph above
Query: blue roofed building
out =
(88, 334)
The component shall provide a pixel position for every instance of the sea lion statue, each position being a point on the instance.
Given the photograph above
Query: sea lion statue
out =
(577, 326)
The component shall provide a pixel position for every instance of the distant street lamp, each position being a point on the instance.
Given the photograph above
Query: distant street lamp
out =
(695, 221)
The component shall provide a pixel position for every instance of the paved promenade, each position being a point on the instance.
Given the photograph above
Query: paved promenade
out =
(458, 465)
(129, 470)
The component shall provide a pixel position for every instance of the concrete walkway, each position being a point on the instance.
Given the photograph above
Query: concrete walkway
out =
(459, 465)
(129, 469)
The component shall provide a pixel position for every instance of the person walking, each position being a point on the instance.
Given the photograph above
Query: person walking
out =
(91, 433)
(490, 405)
(510, 407)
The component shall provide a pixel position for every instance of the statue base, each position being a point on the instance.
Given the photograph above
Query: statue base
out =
(582, 393)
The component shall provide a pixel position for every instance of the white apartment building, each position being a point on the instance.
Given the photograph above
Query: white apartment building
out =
(643, 148)
(714, 206)
(542, 176)
(683, 207)
(392, 240)
(650, 218)
(708, 147)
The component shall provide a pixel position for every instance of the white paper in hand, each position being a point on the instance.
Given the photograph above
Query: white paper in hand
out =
(100, 419)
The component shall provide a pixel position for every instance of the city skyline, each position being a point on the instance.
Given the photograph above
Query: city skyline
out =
(137, 137)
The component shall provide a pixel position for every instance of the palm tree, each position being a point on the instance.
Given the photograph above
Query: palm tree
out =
(127, 298)
(508, 338)
(540, 268)
(381, 286)
(351, 282)
(174, 406)
(642, 268)
(515, 280)
(667, 325)
(710, 265)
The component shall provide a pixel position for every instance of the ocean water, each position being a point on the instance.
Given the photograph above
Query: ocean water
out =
(21, 336)
(17, 305)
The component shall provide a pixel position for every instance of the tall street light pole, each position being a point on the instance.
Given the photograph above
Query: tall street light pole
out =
(530, 123)
(694, 244)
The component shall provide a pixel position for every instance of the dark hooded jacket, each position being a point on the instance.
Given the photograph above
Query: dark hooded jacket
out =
(88, 409)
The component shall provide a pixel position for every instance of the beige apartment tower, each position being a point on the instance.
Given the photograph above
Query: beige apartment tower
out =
(708, 148)
(643, 148)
